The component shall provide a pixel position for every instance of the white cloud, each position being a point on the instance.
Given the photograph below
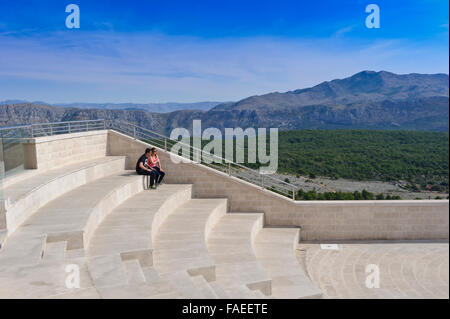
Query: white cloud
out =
(153, 67)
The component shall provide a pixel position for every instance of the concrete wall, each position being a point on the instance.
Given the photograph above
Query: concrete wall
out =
(58, 150)
(11, 155)
(320, 220)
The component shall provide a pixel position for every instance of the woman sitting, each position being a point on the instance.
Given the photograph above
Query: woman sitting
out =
(155, 164)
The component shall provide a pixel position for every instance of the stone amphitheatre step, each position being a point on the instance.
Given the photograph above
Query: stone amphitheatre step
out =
(219, 290)
(71, 218)
(55, 251)
(45, 280)
(124, 239)
(190, 287)
(162, 289)
(2, 238)
(134, 272)
(169, 295)
(230, 245)
(26, 195)
(180, 244)
(243, 292)
(130, 228)
(85, 293)
(275, 250)
(204, 286)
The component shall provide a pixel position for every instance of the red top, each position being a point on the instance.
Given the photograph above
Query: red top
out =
(153, 160)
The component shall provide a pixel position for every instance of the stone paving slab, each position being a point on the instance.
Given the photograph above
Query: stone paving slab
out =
(407, 270)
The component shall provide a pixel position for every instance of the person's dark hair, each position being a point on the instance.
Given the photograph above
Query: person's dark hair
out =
(147, 150)
(153, 150)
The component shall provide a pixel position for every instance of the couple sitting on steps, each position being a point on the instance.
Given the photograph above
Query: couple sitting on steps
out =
(149, 164)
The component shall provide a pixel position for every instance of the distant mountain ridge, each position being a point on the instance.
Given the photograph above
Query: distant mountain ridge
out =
(150, 107)
(370, 100)
(366, 86)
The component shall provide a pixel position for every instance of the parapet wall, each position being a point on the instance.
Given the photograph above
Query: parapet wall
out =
(320, 220)
(58, 150)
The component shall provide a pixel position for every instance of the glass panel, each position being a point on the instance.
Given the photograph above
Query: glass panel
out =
(12, 153)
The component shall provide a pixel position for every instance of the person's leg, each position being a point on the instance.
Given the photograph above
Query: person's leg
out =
(158, 171)
(161, 176)
(153, 178)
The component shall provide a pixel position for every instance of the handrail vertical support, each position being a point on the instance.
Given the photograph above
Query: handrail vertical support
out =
(229, 168)
(262, 181)
(293, 193)
(31, 131)
(134, 131)
(69, 128)
(165, 144)
(51, 130)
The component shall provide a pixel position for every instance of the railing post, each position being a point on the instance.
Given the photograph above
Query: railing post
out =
(134, 131)
(165, 144)
(293, 193)
(51, 130)
(104, 124)
(31, 131)
(262, 181)
(229, 169)
(69, 128)
(87, 126)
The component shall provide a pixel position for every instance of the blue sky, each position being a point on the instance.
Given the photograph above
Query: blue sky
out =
(158, 51)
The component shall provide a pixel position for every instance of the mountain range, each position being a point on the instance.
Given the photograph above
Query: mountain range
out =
(150, 107)
(369, 99)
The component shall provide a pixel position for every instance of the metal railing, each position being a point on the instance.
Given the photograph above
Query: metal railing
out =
(196, 155)
(55, 128)
(202, 157)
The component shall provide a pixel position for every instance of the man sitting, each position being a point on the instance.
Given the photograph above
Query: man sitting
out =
(142, 168)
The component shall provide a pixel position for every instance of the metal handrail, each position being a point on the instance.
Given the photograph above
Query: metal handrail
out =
(48, 123)
(51, 125)
(262, 178)
(135, 131)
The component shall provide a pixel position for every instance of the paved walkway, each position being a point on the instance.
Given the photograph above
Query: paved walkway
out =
(407, 270)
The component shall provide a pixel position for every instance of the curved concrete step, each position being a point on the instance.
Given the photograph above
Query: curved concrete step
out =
(124, 238)
(2, 238)
(130, 228)
(71, 218)
(180, 244)
(205, 288)
(275, 250)
(23, 198)
(230, 245)
(219, 291)
(190, 287)
(243, 292)
(162, 289)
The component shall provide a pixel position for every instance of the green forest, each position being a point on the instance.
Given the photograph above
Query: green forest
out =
(420, 158)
